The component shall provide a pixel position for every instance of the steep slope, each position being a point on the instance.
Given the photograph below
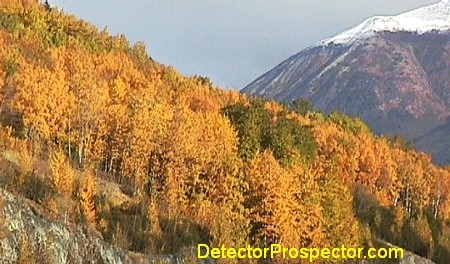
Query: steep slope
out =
(28, 237)
(437, 143)
(146, 158)
(393, 72)
(31, 238)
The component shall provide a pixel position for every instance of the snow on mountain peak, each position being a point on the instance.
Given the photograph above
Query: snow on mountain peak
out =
(421, 20)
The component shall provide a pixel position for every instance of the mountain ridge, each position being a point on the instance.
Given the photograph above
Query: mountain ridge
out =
(435, 17)
(397, 82)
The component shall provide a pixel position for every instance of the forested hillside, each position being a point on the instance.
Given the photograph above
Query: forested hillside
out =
(98, 135)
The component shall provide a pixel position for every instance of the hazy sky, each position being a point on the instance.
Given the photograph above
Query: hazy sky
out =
(231, 41)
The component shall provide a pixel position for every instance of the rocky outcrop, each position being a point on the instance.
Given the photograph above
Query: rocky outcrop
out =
(414, 259)
(29, 237)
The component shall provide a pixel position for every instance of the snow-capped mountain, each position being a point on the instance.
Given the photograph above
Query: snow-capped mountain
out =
(393, 72)
(429, 18)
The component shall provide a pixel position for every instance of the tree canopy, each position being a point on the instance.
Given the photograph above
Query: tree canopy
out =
(158, 162)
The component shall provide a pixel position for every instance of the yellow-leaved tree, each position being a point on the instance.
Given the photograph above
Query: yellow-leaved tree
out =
(64, 179)
(87, 195)
(274, 209)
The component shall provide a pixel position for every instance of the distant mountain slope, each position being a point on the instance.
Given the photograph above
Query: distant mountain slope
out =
(437, 143)
(391, 71)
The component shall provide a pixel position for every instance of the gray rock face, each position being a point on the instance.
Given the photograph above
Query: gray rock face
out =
(28, 237)
(414, 259)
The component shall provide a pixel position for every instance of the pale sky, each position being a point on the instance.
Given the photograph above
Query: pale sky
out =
(230, 41)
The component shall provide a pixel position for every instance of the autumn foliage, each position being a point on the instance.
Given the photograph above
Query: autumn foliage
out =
(157, 162)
